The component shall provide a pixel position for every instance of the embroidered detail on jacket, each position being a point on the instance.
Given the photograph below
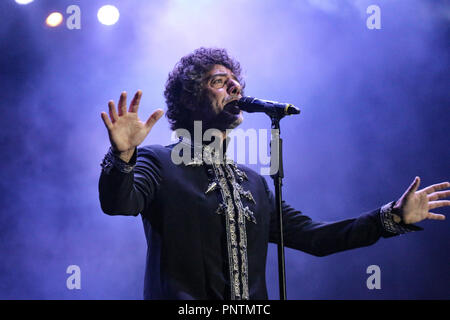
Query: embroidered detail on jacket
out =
(227, 207)
(234, 212)
(226, 178)
(211, 187)
(387, 219)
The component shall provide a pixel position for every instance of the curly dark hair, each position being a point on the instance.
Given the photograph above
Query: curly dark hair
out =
(184, 87)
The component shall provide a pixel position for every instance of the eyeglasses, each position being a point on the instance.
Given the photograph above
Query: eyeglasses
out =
(218, 81)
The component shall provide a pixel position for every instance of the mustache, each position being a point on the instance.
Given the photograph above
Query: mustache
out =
(232, 107)
(230, 101)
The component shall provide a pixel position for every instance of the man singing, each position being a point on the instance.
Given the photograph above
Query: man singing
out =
(208, 223)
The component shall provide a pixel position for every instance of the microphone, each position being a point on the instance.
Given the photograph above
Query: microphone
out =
(271, 108)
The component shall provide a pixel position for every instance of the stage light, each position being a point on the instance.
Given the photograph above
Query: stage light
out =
(24, 1)
(108, 15)
(54, 19)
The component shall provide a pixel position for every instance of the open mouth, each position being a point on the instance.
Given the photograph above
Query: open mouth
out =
(232, 107)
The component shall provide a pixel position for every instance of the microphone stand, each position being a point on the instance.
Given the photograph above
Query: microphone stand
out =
(278, 182)
(276, 111)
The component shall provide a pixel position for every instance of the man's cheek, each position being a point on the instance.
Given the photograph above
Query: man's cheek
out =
(217, 107)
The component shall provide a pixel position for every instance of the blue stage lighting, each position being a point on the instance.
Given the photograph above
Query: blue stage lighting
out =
(108, 15)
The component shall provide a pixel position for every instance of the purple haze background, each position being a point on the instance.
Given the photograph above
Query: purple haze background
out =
(375, 113)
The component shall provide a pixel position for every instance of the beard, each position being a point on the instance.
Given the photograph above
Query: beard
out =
(228, 118)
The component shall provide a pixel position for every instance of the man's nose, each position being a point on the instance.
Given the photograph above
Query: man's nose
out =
(234, 88)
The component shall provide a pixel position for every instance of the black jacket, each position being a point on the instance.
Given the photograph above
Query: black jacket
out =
(187, 257)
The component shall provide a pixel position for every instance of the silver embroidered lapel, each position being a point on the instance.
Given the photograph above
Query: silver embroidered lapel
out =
(226, 178)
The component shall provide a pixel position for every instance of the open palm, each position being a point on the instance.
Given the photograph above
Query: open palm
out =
(414, 206)
(125, 130)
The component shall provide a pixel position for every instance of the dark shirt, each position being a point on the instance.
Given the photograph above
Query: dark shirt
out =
(188, 249)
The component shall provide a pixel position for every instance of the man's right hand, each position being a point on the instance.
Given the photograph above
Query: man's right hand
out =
(125, 130)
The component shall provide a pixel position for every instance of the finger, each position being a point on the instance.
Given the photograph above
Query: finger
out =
(106, 121)
(414, 185)
(153, 118)
(112, 111)
(438, 195)
(435, 216)
(134, 105)
(122, 104)
(435, 187)
(438, 204)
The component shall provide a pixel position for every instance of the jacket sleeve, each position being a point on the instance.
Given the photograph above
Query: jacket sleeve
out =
(129, 192)
(319, 238)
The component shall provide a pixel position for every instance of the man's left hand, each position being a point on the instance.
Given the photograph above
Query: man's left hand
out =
(414, 206)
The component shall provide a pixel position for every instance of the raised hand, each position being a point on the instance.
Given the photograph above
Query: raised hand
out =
(125, 130)
(414, 206)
